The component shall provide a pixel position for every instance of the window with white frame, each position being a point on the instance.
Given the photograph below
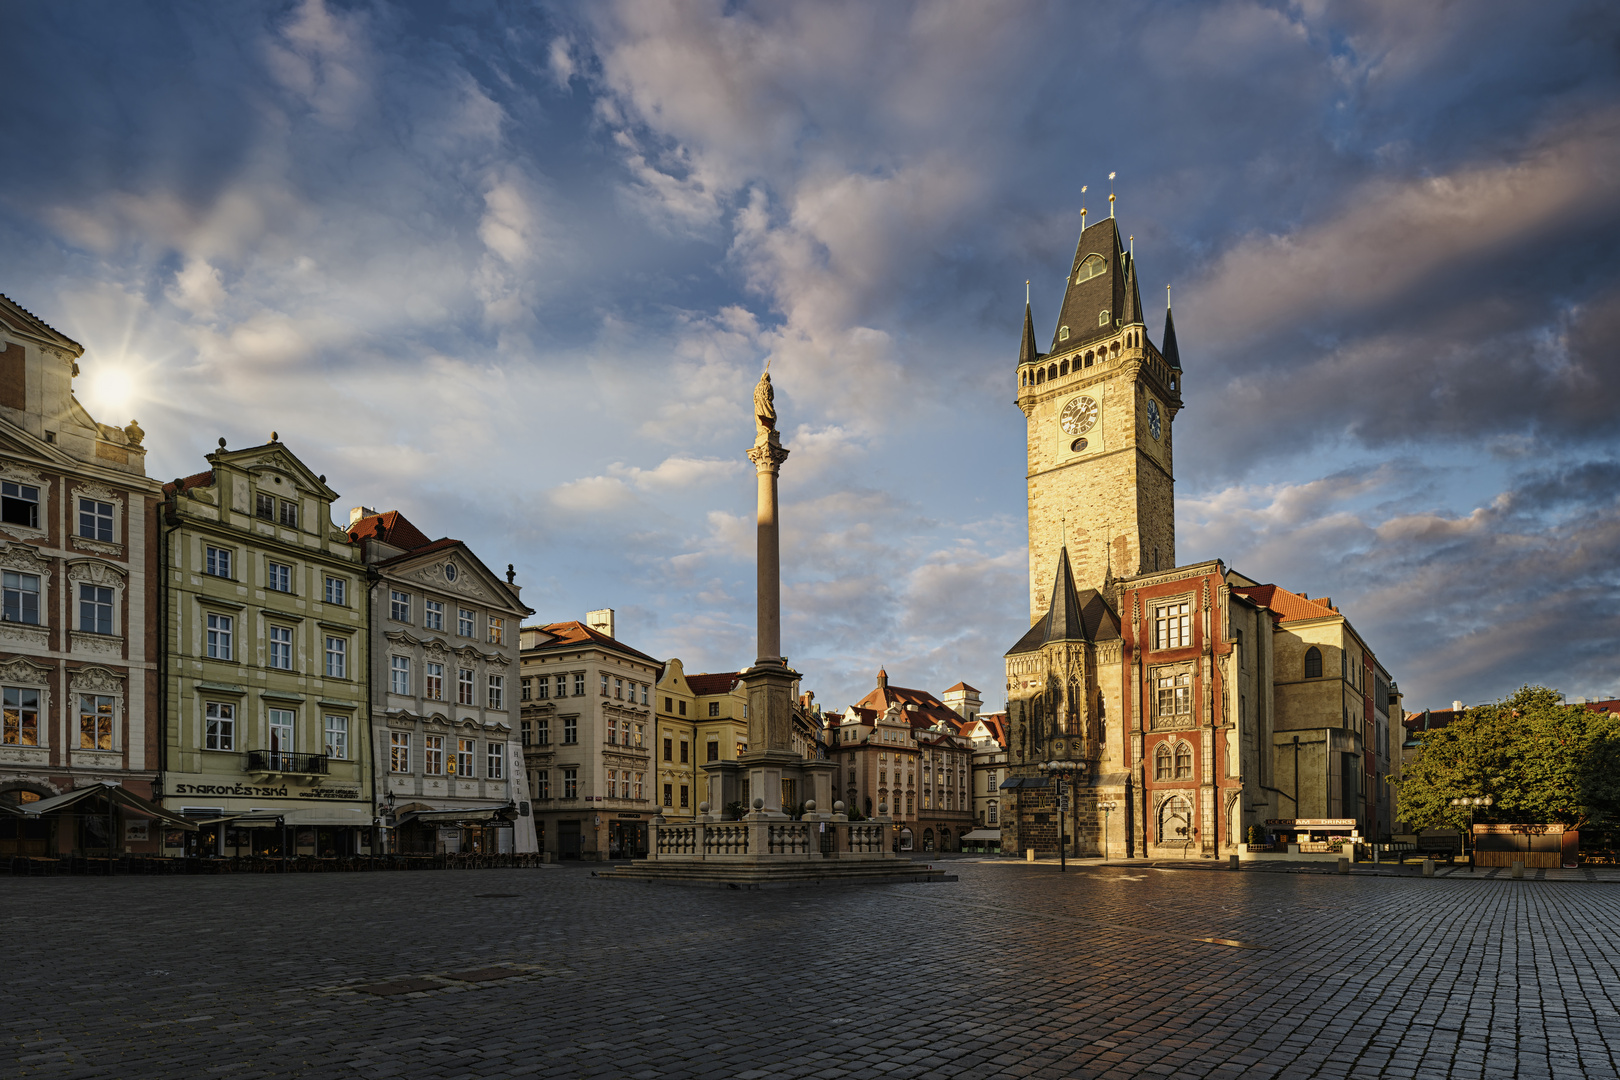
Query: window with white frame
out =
(289, 513)
(526, 732)
(604, 685)
(19, 504)
(433, 755)
(463, 765)
(337, 658)
(570, 730)
(337, 736)
(1172, 625)
(432, 614)
(95, 722)
(526, 688)
(399, 606)
(542, 784)
(278, 577)
(640, 778)
(464, 686)
(337, 591)
(497, 692)
(95, 608)
(542, 732)
(217, 562)
(281, 649)
(464, 622)
(1173, 693)
(994, 818)
(283, 731)
(96, 520)
(497, 631)
(579, 684)
(399, 751)
(434, 681)
(496, 761)
(21, 602)
(570, 783)
(613, 731)
(21, 712)
(618, 688)
(221, 630)
(219, 718)
(399, 675)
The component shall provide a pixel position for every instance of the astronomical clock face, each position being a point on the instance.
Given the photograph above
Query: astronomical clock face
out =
(1155, 425)
(1078, 416)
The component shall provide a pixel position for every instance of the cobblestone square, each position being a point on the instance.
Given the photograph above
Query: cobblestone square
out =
(1012, 971)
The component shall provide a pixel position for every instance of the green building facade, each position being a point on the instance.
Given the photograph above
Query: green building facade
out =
(264, 662)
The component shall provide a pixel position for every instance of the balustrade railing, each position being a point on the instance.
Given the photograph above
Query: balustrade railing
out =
(725, 839)
(792, 838)
(868, 839)
(677, 839)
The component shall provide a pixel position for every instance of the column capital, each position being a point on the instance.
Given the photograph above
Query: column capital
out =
(767, 453)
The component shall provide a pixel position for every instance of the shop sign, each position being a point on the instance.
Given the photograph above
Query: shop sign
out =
(257, 791)
(1313, 823)
(630, 815)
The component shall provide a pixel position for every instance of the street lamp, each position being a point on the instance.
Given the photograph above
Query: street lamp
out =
(1472, 802)
(1106, 807)
(1060, 769)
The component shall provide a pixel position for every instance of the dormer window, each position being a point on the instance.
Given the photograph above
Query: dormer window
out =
(1102, 317)
(1092, 267)
(1063, 333)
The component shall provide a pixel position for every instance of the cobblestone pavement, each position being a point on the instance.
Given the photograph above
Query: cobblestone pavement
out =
(1012, 971)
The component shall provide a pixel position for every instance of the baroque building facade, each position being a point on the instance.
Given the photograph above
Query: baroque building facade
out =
(1165, 695)
(77, 675)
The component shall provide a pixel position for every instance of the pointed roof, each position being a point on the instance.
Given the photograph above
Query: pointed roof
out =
(22, 321)
(1084, 300)
(1171, 354)
(1131, 310)
(1073, 615)
(1027, 352)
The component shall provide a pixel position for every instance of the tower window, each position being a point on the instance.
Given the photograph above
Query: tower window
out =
(1089, 358)
(1040, 376)
(1092, 267)
(1313, 663)
(1063, 368)
(1051, 372)
(1063, 333)
(1102, 317)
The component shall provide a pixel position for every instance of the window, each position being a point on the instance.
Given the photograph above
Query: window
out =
(604, 686)
(282, 725)
(281, 647)
(463, 765)
(638, 794)
(217, 562)
(1063, 333)
(613, 732)
(641, 733)
(579, 684)
(644, 689)
(278, 577)
(1102, 317)
(464, 686)
(21, 717)
(464, 622)
(497, 631)
(1172, 626)
(714, 708)
(399, 605)
(570, 730)
(685, 752)
(433, 755)
(669, 794)
(1313, 661)
(1183, 761)
(497, 692)
(432, 615)
(496, 760)
(994, 812)
(21, 597)
(399, 674)
(220, 628)
(526, 732)
(683, 708)
(265, 506)
(220, 720)
(612, 783)
(337, 591)
(562, 687)
(618, 689)
(337, 658)
(542, 732)
(1174, 694)
(669, 705)
(669, 751)
(526, 688)
(95, 722)
(570, 783)
(713, 750)
(95, 520)
(19, 504)
(435, 681)
(95, 608)
(1092, 267)
(337, 737)
(289, 514)
(399, 751)
(542, 784)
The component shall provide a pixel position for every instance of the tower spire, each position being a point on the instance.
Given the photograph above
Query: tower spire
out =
(1027, 353)
(1168, 350)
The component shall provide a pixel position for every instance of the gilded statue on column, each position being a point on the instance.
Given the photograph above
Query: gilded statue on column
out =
(764, 405)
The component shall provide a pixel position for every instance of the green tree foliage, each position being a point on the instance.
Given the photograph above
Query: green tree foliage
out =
(1542, 761)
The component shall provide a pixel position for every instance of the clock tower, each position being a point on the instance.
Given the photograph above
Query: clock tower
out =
(1100, 405)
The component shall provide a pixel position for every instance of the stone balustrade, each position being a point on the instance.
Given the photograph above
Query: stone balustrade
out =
(772, 838)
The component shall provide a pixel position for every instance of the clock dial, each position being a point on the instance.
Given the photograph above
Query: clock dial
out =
(1078, 416)
(1154, 424)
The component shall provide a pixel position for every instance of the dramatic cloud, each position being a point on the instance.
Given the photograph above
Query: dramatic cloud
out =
(515, 272)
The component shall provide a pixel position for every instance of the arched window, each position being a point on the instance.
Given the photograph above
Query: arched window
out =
(1175, 820)
(1183, 761)
(1040, 376)
(1313, 663)
(1051, 372)
(1063, 333)
(1063, 368)
(1089, 358)
(1023, 378)
(1161, 763)
(1093, 266)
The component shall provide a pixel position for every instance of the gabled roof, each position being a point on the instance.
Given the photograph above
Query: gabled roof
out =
(1073, 615)
(1290, 606)
(706, 683)
(572, 635)
(393, 529)
(23, 321)
(997, 723)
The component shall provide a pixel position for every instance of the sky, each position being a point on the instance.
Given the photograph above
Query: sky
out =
(513, 269)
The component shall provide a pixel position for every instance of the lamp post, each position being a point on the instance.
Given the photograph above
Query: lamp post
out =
(1060, 769)
(1106, 808)
(1472, 802)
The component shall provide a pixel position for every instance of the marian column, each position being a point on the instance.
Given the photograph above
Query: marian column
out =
(767, 455)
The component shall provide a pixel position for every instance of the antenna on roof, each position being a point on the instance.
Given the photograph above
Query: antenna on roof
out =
(1110, 194)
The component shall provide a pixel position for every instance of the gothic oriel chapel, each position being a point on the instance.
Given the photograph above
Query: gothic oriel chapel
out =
(1190, 702)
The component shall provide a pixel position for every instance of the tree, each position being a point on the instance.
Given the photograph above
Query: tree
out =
(1542, 762)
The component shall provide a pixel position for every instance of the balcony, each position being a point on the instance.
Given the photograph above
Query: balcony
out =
(276, 762)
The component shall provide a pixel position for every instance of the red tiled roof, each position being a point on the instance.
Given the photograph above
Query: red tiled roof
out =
(571, 635)
(1288, 604)
(1610, 705)
(930, 709)
(997, 723)
(962, 686)
(712, 683)
(391, 528)
(202, 479)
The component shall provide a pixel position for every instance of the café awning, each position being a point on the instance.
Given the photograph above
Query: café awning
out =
(467, 814)
(107, 789)
(983, 834)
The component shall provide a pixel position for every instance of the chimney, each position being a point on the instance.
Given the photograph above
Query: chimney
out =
(358, 512)
(601, 621)
(1456, 706)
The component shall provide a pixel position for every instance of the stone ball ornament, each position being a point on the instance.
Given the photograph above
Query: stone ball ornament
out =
(703, 808)
(759, 802)
(838, 807)
(809, 806)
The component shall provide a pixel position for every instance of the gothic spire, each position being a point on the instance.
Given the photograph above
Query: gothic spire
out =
(1026, 350)
(1168, 350)
(1063, 618)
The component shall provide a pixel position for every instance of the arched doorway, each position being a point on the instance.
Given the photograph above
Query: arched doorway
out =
(905, 840)
(928, 839)
(1175, 821)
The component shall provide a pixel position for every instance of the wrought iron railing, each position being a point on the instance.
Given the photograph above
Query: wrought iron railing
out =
(279, 761)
